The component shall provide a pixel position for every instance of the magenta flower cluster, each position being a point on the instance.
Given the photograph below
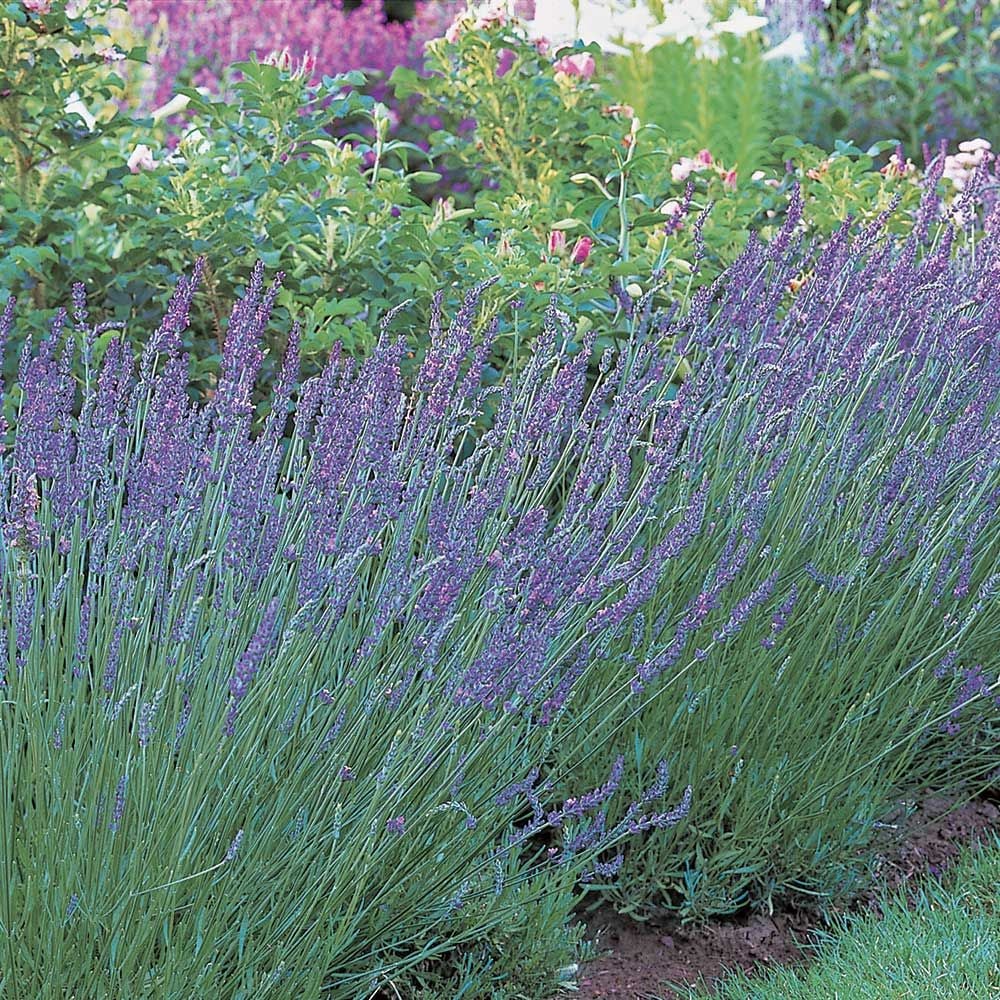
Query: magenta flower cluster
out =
(207, 36)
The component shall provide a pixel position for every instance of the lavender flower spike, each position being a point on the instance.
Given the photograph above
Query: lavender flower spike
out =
(249, 664)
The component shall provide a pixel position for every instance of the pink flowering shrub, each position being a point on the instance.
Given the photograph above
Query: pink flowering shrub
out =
(510, 112)
(568, 193)
(199, 39)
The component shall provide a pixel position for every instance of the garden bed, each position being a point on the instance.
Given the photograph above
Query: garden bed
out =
(557, 468)
(643, 957)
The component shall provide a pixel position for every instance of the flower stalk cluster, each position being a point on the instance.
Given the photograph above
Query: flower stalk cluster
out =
(395, 612)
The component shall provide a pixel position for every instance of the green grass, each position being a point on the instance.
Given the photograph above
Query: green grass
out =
(944, 945)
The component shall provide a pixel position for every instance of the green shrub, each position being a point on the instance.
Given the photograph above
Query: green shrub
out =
(581, 202)
(918, 71)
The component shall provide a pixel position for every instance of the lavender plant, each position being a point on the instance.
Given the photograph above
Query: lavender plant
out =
(815, 620)
(241, 755)
(311, 700)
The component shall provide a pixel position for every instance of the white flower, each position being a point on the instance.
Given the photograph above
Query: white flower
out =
(637, 26)
(195, 140)
(740, 23)
(794, 47)
(710, 49)
(684, 19)
(617, 23)
(967, 159)
(562, 22)
(680, 172)
(141, 158)
(491, 13)
(174, 106)
(613, 24)
(74, 106)
(959, 167)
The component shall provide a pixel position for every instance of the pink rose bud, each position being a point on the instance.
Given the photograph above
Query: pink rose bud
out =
(542, 46)
(141, 159)
(581, 250)
(281, 59)
(704, 156)
(38, 6)
(729, 179)
(557, 242)
(579, 64)
(505, 59)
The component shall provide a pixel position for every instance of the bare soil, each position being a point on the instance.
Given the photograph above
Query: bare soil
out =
(643, 957)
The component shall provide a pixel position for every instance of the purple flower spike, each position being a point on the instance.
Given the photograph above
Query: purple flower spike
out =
(234, 847)
(119, 808)
(249, 663)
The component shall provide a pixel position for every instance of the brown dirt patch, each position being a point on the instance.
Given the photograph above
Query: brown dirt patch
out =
(643, 957)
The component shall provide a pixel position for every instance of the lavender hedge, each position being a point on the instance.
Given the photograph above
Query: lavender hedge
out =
(311, 699)
(237, 755)
(806, 618)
